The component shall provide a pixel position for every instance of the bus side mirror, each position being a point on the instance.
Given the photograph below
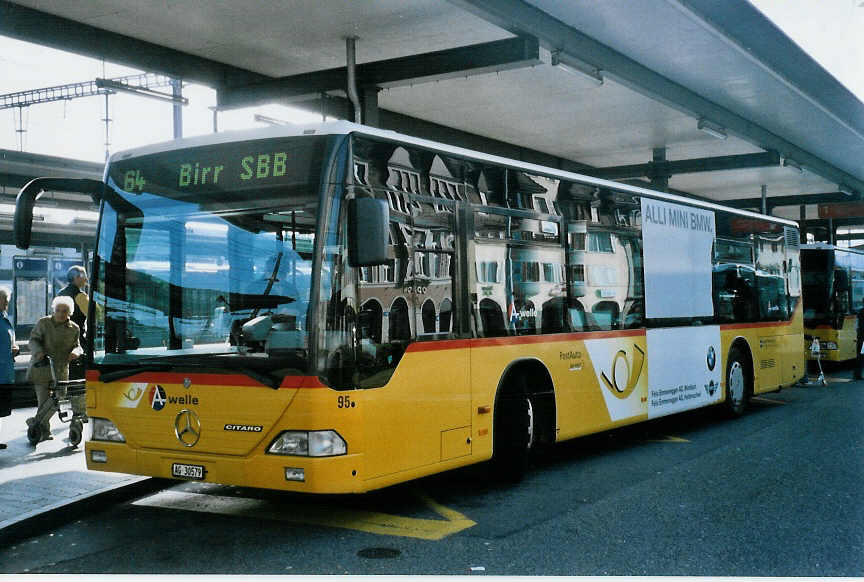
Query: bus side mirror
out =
(368, 232)
(26, 200)
(22, 227)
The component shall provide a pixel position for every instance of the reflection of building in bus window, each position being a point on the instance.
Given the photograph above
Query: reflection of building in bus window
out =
(740, 292)
(633, 314)
(606, 274)
(606, 314)
(371, 318)
(492, 319)
(399, 325)
(427, 313)
(524, 317)
(552, 315)
(773, 302)
(445, 316)
(577, 317)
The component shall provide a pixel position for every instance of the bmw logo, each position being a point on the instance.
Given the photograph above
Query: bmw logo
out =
(712, 358)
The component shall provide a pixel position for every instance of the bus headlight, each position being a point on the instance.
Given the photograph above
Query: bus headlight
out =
(315, 443)
(105, 430)
(326, 443)
(829, 345)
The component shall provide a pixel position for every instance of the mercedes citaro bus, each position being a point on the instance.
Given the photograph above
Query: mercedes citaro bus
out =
(833, 281)
(339, 308)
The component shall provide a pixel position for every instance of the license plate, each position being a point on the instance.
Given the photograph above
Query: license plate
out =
(187, 471)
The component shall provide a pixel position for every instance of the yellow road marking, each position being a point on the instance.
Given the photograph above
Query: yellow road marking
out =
(766, 400)
(310, 514)
(666, 439)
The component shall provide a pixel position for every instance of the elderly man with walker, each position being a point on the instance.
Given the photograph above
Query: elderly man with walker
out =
(54, 342)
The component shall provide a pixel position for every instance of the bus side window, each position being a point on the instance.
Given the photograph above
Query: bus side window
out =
(773, 301)
(492, 319)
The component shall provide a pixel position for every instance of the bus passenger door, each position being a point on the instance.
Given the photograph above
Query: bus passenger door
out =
(418, 413)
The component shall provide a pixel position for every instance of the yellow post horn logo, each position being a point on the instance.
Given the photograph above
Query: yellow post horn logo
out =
(623, 372)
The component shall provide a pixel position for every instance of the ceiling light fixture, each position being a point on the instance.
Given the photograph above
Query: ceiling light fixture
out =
(846, 190)
(790, 163)
(269, 120)
(711, 128)
(577, 67)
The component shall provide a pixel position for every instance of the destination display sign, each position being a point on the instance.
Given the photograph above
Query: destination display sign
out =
(248, 165)
(841, 210)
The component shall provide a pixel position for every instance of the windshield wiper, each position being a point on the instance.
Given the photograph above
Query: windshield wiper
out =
(191, 361)
(126, 372)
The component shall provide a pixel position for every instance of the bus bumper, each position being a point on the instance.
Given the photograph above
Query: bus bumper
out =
(339, 474)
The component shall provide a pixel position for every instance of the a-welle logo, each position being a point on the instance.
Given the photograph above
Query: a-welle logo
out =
(157, 397)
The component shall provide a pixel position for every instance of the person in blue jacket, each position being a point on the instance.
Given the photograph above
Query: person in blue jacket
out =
(8, 348)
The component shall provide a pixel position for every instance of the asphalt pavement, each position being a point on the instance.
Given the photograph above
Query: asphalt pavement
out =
(777, 492)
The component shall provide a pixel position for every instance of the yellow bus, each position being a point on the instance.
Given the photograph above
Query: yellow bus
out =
(339, 308)
(833, 281)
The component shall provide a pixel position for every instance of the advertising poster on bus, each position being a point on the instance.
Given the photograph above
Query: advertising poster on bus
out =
(685, 362)
(677, 245)
(686, 368)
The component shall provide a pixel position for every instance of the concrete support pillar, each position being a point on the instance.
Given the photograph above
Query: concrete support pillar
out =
(369, 106)
(764, 199)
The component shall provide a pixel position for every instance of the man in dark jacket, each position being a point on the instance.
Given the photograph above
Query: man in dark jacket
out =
(77, 278)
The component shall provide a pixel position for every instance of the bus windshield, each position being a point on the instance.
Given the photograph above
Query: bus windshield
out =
(816, 267)
(213, 275)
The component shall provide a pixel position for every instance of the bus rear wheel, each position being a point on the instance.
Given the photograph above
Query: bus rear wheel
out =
(738, 383)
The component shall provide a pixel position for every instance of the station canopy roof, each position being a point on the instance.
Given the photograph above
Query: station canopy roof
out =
(676, 74)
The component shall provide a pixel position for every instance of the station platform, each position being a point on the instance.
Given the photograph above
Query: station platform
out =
(48, 477)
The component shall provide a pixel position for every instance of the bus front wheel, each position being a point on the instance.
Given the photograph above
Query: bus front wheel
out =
(738, 383)
(514, 436)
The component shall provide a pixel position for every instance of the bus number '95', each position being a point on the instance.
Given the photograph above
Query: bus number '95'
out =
(344, 402)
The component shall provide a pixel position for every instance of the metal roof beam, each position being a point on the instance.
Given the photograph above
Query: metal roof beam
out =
(500, 55)
(520, 17)
(62, 236)
(18, 168)
(719, 163)
(68, 35)
(59, 203)
(793, 200)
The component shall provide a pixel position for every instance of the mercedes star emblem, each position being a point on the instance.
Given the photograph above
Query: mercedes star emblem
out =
(187, 427)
